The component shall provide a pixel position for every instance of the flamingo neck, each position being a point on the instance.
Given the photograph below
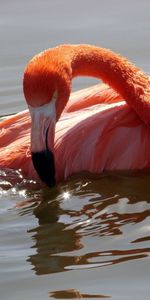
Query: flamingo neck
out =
(129, 81)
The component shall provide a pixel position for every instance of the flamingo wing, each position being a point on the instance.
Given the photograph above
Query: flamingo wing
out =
(97, 94)
(99, 138)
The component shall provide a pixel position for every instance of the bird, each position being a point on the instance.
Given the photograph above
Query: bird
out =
(105, 127)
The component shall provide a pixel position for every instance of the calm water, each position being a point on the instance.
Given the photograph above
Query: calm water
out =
(86, 238)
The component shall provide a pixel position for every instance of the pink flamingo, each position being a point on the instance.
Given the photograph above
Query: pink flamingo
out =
(93, 130)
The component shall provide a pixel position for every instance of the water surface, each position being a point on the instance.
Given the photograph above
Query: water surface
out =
(88, 237)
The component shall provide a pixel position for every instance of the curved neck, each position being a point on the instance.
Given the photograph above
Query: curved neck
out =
(129, 81)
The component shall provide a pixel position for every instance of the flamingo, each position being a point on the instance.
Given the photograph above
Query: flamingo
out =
(101, 128)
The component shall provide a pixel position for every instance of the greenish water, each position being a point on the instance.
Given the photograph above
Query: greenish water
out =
(88, 237)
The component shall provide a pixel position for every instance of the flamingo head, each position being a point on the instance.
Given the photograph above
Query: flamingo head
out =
(46, 88)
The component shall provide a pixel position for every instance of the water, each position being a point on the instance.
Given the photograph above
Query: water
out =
(88, 237)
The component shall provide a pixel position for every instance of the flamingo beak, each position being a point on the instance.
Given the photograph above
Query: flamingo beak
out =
(45, 166)
(42, 141)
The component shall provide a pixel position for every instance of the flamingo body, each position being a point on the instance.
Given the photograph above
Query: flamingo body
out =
(97, 131)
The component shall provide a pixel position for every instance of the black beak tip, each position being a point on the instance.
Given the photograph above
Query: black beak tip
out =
(44, 164)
